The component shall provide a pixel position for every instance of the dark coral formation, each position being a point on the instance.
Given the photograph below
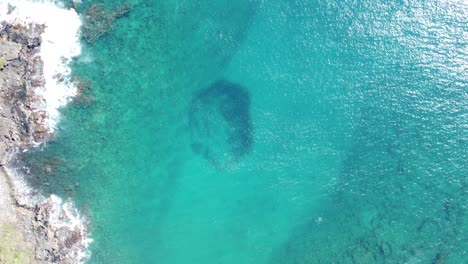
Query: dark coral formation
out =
(84, 96)
(220, 123)
(99, 20)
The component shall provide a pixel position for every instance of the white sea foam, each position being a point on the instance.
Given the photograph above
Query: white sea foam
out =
(60, 43)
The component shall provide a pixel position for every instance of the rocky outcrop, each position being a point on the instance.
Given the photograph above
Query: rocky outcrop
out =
(21, 121)
(22, 124)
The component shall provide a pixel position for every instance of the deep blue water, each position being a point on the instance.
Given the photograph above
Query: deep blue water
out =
(271, 132)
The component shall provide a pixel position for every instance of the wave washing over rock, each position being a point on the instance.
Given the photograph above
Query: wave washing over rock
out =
(60, 43)
(60, 230)
(37, 42)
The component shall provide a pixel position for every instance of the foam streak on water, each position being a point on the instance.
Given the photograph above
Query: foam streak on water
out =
(60, 43)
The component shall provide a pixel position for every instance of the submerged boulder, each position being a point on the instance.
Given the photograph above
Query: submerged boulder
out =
(220, 123)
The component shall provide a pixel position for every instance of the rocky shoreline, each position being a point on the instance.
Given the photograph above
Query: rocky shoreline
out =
(34, 229)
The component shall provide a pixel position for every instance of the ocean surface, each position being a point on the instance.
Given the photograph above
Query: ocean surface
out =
(269, 132)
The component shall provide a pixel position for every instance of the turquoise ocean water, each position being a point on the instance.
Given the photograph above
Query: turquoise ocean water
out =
(275, 132)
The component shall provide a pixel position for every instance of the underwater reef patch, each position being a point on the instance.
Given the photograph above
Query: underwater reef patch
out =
(220, 123)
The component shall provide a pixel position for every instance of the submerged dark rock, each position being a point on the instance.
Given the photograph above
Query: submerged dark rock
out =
(220, 124)
(99, 20)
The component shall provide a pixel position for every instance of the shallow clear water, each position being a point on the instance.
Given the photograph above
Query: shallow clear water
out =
(345, 141)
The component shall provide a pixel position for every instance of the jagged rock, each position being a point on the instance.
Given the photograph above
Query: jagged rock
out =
(3, 149)
(9, 50)
(73, 238)
(37, 82)
(20, 123)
